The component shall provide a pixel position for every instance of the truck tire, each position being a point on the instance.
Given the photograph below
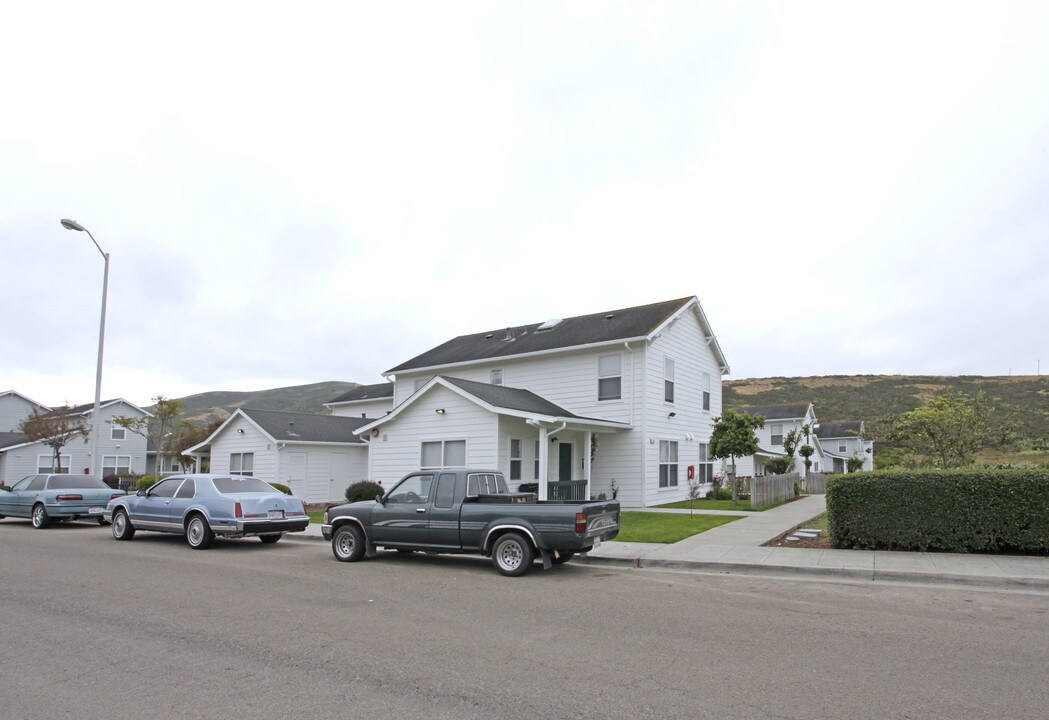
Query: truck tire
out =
(347, 544)
(512, 554)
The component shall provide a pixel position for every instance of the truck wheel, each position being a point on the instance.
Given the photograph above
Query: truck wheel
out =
(347, 544)
(512, 554)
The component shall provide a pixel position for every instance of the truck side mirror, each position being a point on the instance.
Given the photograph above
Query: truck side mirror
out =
(381, 499)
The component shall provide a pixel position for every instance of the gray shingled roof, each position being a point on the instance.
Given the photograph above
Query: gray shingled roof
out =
(840, 430)
(600, 327)
(509, 398)
(778, 412)
(305, 427)
(365, 392)
(10, 439)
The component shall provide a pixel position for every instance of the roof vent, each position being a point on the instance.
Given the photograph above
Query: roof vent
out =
(509, 335)
(549, 325)
(489, 336)
(609, 316)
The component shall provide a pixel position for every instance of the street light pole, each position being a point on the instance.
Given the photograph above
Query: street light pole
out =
(96, 430)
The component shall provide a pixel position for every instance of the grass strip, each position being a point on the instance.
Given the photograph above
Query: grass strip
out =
(665, 528)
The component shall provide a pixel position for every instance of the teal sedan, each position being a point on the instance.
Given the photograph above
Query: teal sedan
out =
(44, 498)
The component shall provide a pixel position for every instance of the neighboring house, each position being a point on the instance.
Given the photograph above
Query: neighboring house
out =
(122, 451)
(843, 440)
(370, 401)
(170, 464)
(780, 420)
(16, 407)
(619, 401)
(317, 456)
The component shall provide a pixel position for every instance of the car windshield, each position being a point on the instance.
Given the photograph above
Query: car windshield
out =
(75, 482)
(236, 485)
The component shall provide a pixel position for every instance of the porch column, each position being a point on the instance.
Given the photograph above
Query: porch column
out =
(544, 459)
(586, 462)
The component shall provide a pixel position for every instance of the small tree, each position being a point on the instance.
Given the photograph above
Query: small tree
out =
(734, 436)
(166, 413)
(854, 464)
(56, 429)
(949, 428)
(694, 493)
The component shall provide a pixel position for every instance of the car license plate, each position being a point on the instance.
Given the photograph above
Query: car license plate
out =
(95, 511)
(275, 514)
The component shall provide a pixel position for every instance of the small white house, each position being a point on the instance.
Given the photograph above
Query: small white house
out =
(780, 420)
(317, 456)
(619, 402)
(122, 451)
(844, 440)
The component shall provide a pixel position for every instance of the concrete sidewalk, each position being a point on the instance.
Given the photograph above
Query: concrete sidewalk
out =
(738, 547)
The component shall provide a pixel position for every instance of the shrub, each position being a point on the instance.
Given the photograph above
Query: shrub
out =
(779, 465)
(283, 488)
(945, 511)
(724, 493)
(146, 482)
(363, 490)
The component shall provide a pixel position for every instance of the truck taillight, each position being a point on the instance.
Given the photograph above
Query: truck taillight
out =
(324, 520)
(580, 523)
(69, 497)
(238, 511)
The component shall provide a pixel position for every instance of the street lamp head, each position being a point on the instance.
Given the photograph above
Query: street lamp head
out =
(72, 225)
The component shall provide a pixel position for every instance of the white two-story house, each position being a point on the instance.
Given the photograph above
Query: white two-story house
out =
(619, 403)
(779, 421)
(843, 440)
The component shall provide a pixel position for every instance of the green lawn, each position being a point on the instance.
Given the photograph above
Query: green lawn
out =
(720, 505)
(316, 517)
(665, 527)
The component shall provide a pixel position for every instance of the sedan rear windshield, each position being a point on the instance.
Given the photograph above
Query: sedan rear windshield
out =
(235, 485)
(75, 482)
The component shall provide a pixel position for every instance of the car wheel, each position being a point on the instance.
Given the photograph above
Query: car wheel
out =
(347, 543)
(122, 527)
(269, 539)
(512, 554)
(39, 516)
(565, 557)
(198, 534)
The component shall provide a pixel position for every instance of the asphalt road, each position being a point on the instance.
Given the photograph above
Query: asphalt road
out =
(94, 628)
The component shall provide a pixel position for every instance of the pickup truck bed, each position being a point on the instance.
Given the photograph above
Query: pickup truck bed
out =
(469, 511)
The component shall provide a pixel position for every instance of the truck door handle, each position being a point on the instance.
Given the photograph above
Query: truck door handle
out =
(420, 510)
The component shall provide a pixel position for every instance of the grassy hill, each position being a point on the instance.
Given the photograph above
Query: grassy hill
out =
(868, 397)
(218, 405)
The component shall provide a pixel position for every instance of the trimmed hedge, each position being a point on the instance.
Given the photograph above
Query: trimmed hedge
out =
(363, 490)
(984, 511)
(146, 482)
(283, 488)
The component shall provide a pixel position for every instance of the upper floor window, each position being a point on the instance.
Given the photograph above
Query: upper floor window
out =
(842, 446)
(668, 380)
(777, 433)
(706, 391)
(117, 433)
(242, 463)
(610, 377)
(496, 377)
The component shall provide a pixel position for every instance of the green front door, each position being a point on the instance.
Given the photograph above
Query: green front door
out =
(564, 463)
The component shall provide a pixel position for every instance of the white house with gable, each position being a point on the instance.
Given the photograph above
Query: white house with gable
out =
(779, 421)
(618, 403)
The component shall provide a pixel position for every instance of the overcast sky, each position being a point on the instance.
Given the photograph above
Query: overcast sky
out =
(325, 190)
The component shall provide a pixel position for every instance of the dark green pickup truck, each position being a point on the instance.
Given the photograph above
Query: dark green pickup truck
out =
(469, 511)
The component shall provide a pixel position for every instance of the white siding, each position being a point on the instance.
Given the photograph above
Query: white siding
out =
(133, 444)
(13, 410)
(266, 463)
(330, 469)
(397, 449)
(367, 408)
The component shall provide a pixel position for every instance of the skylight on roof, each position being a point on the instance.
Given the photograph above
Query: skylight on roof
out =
(549, 324)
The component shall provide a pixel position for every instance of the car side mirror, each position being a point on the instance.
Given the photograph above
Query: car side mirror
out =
(141, 493)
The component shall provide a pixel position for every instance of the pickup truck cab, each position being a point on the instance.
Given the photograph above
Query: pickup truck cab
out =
(469, 511)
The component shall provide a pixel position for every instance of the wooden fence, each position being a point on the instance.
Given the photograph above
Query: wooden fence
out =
(815, 484)
(772, 489)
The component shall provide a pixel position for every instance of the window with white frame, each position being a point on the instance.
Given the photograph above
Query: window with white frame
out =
(496, 377)
(116, 465)
(706, 391)
(667, 463)
(668, 380)
(535, 473)
(843, 446)
(117, 433)
(705, 471)
(610, 377)
(171, 464)
(777, 433)
(439, 454)
(515, 458)
(46, 464)
(242, 463)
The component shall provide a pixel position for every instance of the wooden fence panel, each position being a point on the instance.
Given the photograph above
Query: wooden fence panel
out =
(772, 489)
(815, 484)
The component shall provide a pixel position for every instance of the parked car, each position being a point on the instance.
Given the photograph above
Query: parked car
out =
(43, 498)
(469, 511)
(205, 506)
